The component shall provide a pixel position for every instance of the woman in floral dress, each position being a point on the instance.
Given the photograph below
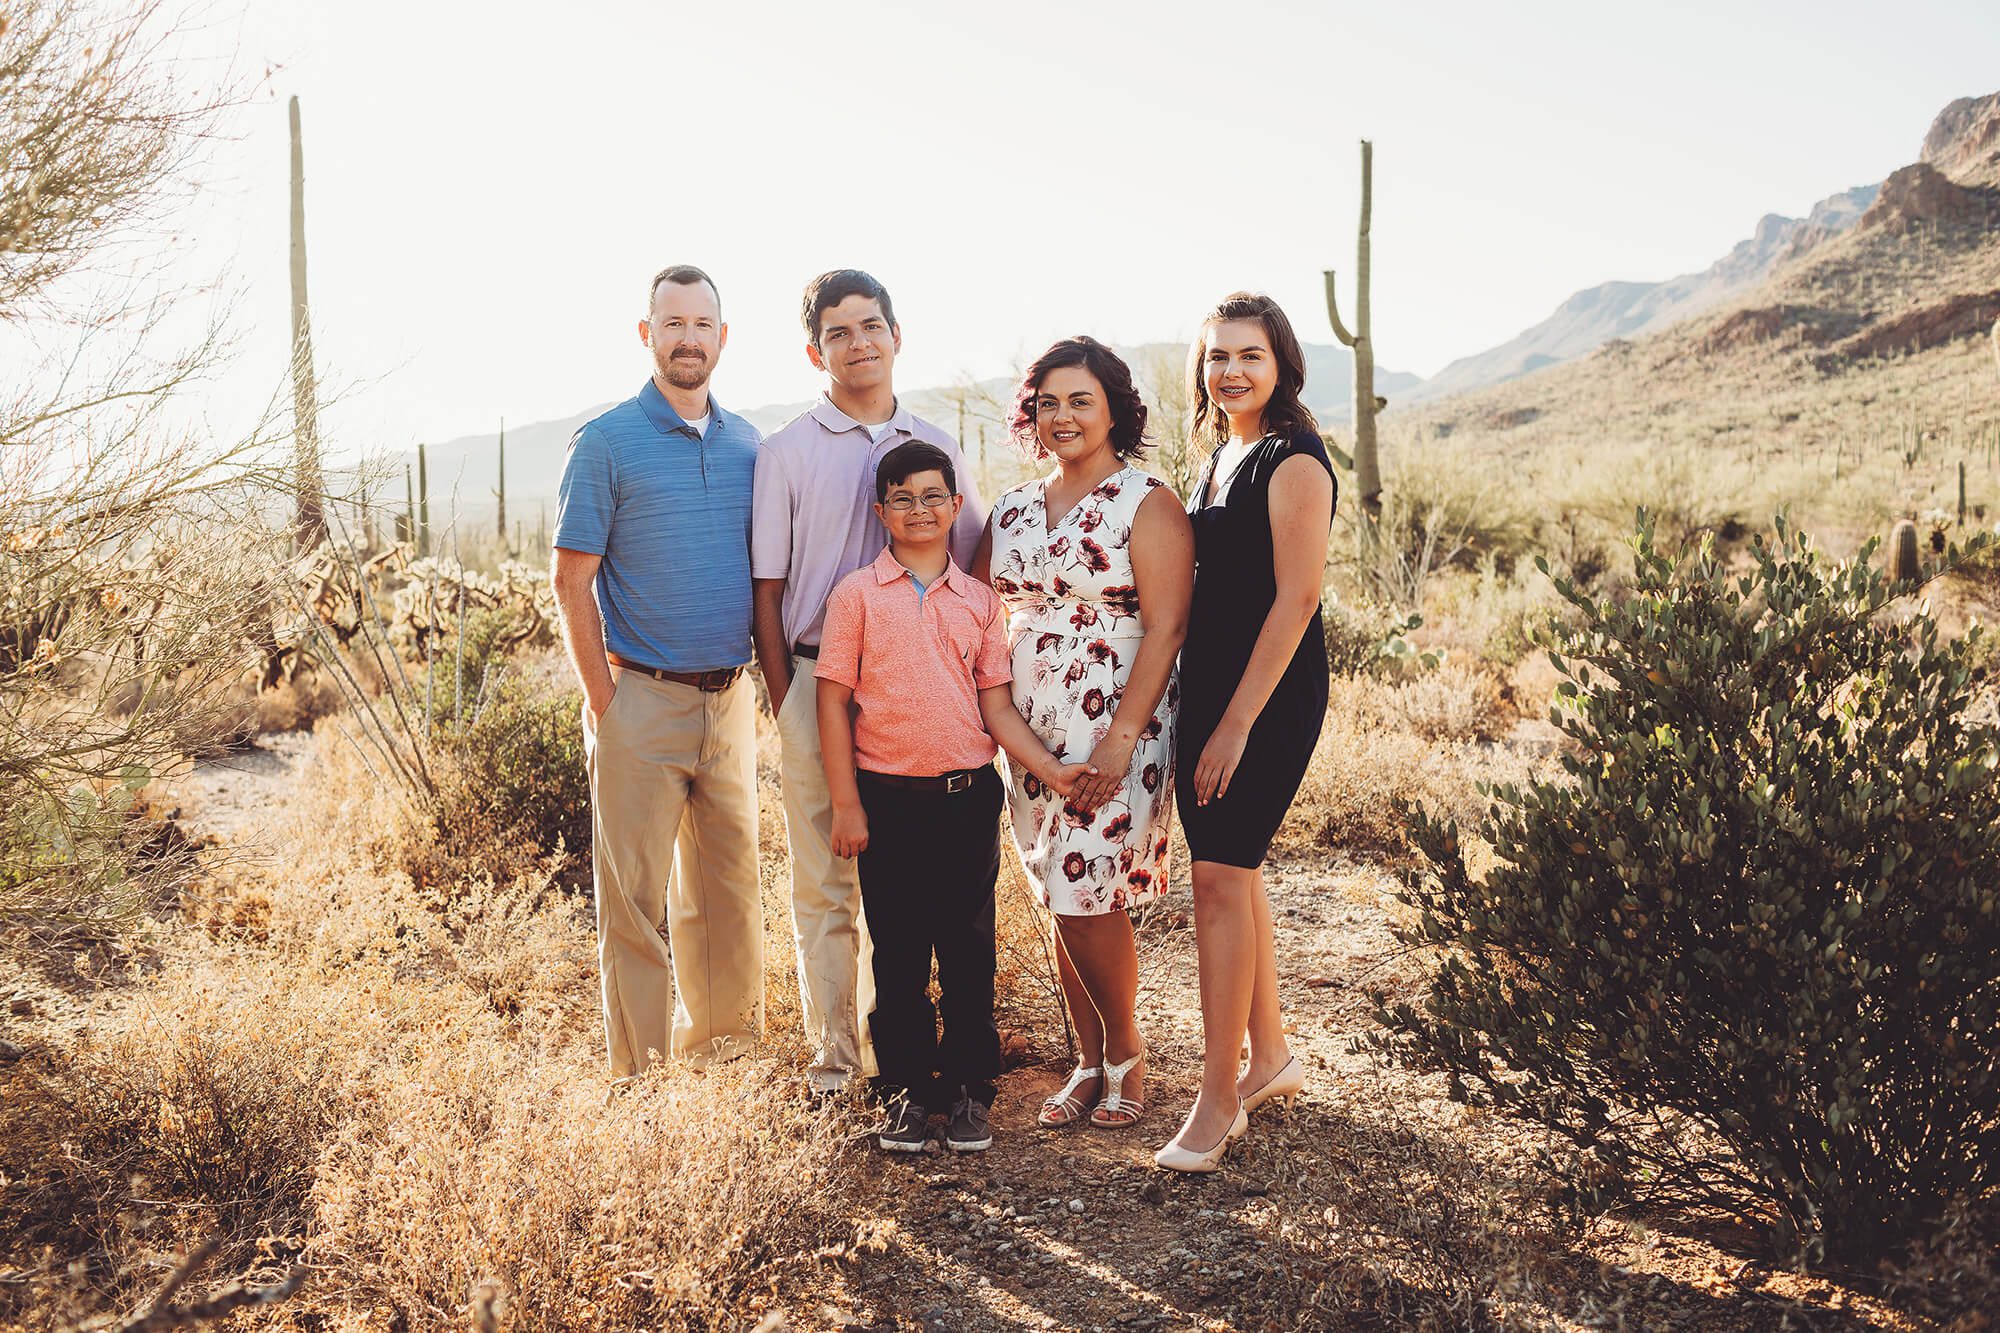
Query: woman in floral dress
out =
(1096, 564)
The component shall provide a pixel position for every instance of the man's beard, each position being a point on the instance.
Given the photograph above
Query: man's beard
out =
(684, 372)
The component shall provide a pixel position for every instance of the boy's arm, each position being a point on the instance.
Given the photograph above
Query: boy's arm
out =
(1006, 726)
(836, 743)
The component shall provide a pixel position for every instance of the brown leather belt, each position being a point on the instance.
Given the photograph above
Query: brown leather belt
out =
(951, 782)
(709, 682)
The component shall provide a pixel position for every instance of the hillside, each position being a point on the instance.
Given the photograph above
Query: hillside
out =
(1596, 315)
(1849, 383)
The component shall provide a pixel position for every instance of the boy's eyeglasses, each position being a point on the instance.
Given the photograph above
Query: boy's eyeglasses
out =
(903, 504)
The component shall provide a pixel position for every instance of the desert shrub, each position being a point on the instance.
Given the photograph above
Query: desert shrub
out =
(1762, 904)
(512, 791)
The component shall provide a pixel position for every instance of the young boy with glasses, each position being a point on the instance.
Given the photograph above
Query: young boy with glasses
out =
(913, 677)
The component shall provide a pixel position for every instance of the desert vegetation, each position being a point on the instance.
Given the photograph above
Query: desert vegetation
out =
(1637, 918)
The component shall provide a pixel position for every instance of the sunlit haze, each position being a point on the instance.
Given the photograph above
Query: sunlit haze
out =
(489, 188)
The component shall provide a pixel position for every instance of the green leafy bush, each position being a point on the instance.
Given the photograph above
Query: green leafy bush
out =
(512, 796)
(1760, 913)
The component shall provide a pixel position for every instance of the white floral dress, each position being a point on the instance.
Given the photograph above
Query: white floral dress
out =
(1075, 630)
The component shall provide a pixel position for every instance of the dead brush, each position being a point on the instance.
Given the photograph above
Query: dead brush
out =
(202, 1117)
(687, 1202)
(1384, 745)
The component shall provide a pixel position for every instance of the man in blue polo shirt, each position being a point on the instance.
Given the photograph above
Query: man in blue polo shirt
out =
(652, 579)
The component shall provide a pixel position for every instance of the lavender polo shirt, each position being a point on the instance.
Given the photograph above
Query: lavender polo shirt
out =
(813, 518)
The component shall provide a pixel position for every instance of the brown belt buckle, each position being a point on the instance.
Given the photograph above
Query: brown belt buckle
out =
(958, 782)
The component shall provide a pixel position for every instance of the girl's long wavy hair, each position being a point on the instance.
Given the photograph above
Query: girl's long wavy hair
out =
(1286, 414)
(1128, 409)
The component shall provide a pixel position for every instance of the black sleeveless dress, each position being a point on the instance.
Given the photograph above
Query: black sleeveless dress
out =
(1235, 585)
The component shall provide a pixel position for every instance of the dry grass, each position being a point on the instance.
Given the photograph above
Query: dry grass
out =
(1428, 739)
(414, 1099)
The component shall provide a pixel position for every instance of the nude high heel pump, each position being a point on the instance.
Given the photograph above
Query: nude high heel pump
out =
(1174, 1157)
(1283, 1086)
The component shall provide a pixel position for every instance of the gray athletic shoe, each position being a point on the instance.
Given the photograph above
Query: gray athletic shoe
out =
(969, 1130)
(908, 1128)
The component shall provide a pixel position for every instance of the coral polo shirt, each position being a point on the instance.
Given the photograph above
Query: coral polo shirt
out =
(916, 659)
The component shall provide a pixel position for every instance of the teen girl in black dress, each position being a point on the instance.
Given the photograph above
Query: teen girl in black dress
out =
(1253, 694)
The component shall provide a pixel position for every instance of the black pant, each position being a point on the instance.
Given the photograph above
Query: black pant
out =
(927, 882)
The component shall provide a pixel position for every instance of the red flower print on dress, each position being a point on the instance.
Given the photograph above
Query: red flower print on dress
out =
(1059, 547)
(1074, 866)
(1004, 585)
(1153, 728)
(1100, 651)
(1119, 826)
(1075, 672)
(1046, 642)
(1076, 818)
(1149, 779)
(1094, 558)
(1007, 519)
(1093, 703)
(1160, 846)
(1140, 878)
(1084, 615)
(1032, 785)
(1110, 489)
(1122, 598)
(1089, 519)
(1062, 588)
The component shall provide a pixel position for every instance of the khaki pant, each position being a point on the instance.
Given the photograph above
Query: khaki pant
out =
(673, 795)
(836, 977)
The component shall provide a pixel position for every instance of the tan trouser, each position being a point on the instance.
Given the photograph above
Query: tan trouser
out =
(673, 795)
(836, 963)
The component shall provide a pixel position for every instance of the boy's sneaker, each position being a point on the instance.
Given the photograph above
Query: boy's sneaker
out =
(908, 1128)
(969, 1130)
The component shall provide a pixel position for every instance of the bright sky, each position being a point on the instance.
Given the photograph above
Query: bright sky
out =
(489, 187)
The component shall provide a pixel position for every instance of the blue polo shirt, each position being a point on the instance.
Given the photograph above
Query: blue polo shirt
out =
(669, 511)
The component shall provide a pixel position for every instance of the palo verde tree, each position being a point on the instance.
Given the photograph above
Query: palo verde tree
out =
(134, 565)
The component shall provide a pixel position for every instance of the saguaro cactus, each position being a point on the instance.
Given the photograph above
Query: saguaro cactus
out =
(1367, 469)
(1904, 566)
(500, 492)
(423, 504)
(310, 527)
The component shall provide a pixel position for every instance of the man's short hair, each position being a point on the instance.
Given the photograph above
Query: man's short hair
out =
(682, 275)
(830, 289)
(906, 461)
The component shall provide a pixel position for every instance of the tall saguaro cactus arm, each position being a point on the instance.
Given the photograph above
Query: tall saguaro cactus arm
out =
(1333, 311)
(311, 522)
(1367, 468)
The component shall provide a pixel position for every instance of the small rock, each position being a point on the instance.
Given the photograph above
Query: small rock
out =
(20, 1006)
(1154, 1193)
(1254, 1189)
(12, 1050)
(1076, 1206)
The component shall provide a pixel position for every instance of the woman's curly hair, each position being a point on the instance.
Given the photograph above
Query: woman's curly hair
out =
(1128, 409)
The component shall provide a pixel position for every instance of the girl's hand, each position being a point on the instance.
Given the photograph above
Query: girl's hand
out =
(1218, 762)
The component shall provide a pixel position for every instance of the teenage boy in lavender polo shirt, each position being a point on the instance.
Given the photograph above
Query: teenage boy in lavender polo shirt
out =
(913, 692)
(815, 523)
(652, 580)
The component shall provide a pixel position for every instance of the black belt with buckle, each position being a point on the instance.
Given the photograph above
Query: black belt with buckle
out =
(806, 650)
(947, 782)
(709, 682)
